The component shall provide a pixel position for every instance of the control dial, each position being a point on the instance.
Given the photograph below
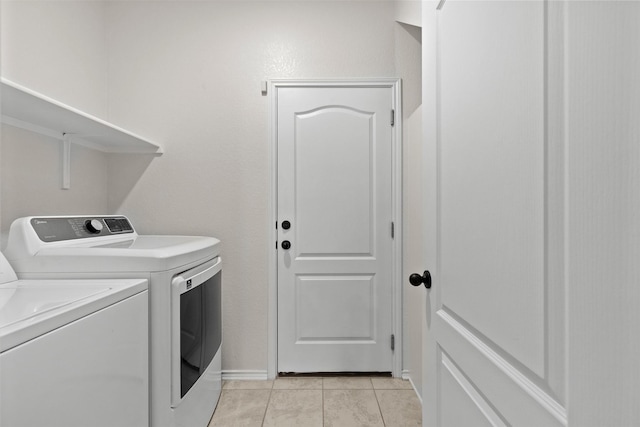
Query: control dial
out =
(93, 226)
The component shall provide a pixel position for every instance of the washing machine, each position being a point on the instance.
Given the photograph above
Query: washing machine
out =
(185, 298)
(73, 352)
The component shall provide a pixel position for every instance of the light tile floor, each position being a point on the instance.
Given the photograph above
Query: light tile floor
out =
(322, 402)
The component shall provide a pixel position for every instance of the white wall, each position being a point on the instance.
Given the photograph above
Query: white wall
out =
(188, 74)
(31, 178)
(408, 53)
(56, 48)
(409, 12)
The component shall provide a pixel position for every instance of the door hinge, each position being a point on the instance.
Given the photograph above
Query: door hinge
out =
(393, 117)
(393, 342)
(393, 230)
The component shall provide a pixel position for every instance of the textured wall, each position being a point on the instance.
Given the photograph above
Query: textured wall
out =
(58, 49)
(32, 177)
(408, 53)
(188, 74)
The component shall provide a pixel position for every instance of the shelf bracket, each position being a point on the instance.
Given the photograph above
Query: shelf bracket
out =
(66, 161)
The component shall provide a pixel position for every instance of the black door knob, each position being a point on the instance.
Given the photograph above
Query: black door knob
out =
(416, 280)
(286, 245)
(286, 225)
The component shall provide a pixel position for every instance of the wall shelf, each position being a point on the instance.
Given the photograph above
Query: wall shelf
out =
(31, 110)
(27, 109)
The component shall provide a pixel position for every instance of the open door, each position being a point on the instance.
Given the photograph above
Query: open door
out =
(495, 353)
(533, 157)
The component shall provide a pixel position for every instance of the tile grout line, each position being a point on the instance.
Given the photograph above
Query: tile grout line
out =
(375, 393)
(322, 390)
(264, 417)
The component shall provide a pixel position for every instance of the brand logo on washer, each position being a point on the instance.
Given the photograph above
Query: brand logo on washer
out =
(189, 284)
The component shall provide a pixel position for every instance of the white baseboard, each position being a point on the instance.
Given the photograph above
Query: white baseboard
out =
(244, 375)
(407, 376)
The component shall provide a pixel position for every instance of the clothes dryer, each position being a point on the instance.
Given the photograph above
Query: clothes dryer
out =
(185, 298)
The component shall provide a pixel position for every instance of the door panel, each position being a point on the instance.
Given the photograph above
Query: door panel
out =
(461, 400)
(353, 313)
(492, 205)
(339, 141)
(496, 320)
(335, 290)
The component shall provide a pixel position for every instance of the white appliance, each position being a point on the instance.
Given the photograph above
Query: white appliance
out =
(73, 352)
(185, 298)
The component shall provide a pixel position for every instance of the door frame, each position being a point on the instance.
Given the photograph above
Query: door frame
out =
(396, 175)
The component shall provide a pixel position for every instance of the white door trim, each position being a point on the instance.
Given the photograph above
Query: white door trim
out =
(272, 326)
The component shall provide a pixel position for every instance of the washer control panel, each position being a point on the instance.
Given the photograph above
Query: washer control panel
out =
(56, 229)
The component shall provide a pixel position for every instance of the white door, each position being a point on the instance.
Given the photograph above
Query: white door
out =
(533, 143)
(495, 338)
(335, 291)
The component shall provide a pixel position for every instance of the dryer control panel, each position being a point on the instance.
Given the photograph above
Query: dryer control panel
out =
(56, 229)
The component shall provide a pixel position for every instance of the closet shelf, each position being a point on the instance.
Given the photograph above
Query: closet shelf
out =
(25, 108)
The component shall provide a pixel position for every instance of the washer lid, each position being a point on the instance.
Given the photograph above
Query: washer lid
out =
(6, 272)
(30, 308)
